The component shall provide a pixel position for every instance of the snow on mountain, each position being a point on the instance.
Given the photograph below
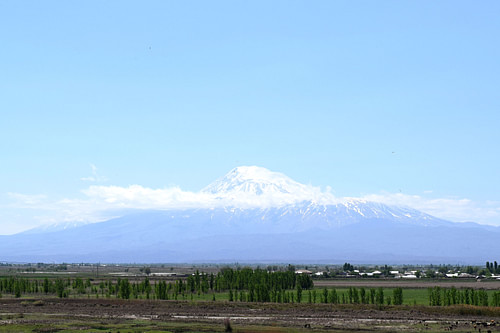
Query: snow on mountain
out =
(257, 193)
(252, 186)
(300, 232)
(269, 196)
(254, 214)
(256, 187)
(375, 210)
(254, 180)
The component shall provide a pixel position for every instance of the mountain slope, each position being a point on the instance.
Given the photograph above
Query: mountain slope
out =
(284, 234)
(292, 228)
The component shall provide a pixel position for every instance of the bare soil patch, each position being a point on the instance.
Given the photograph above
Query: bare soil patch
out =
(394, 283)
(250, 316)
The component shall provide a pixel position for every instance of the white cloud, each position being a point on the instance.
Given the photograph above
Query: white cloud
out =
(99, 203)
(27, 199)
(453, 209)
(95, 177)
(136, 196)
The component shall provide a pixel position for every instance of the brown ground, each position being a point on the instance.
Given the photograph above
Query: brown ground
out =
(393, 283)
(300, 316)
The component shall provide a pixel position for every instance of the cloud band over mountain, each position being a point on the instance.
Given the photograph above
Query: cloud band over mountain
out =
(242, 187)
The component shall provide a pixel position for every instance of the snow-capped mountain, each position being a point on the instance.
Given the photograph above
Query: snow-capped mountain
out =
(259, 215)
(259, 187)
(252, 186)
(254, 180)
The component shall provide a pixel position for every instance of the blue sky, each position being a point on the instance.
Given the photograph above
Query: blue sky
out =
(372, 98)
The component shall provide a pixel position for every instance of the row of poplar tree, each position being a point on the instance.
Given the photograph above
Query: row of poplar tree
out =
(493, 267)
(246, 279)
(450, 296)
(122, 288)
(352, 296)
(257, 282)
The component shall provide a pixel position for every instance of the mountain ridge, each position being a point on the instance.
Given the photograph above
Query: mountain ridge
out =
(290, 229)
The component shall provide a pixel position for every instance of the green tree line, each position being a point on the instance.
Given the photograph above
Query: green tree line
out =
(492, 267)
(258, 283)
(451, 296)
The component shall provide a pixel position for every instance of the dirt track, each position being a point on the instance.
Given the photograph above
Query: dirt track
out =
(319, 316)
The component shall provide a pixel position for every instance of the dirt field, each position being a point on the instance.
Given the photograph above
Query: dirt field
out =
(394, 283)
(98, 315)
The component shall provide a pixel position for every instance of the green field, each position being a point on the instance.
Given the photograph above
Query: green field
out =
(22, 287)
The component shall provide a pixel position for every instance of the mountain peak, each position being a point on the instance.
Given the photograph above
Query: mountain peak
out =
(254, 180)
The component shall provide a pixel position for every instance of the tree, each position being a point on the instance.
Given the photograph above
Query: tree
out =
(348, 267)
(496, 299)
(46, 285)
(483, 297)
(435, 296)
(17, 289)
(124, 289)
(299, 293)
(379, 296)
(372, 295)
(355, 295)
(325, 295)
(161, 290)
(60, 288)
(364, 298)
(332, 296)
(397, 294)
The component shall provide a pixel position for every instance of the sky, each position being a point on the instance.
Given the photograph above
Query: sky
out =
(394, 101)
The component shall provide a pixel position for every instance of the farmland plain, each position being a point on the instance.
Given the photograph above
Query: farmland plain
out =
(92, 308)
